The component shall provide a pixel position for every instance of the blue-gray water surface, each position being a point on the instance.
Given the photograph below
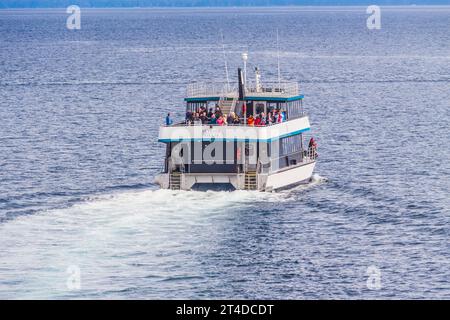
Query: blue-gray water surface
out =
(79, 118)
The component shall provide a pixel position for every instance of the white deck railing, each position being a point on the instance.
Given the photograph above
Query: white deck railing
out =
(201, 89)
(273, 88)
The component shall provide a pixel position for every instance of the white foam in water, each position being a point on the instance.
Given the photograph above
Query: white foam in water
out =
(102, 235)
(317, 179)
(168, 201)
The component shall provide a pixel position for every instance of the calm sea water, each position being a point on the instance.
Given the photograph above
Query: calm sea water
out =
(79, 117)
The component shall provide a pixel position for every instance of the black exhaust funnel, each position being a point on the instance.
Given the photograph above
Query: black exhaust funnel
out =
(241, 85)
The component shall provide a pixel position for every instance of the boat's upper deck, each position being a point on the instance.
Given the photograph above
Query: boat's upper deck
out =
(259, 105)
(215, 111)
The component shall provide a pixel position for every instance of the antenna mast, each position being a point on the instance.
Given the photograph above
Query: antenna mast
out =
(225, 60)
(245, 58)
(278, 61)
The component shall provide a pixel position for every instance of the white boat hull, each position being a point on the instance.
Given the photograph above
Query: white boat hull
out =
(284, 178)
(289, 177)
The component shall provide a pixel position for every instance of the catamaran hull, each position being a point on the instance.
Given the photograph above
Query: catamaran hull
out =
(290, 177)
(279, 180)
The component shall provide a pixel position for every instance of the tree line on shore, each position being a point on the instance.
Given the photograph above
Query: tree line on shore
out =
(199, 3)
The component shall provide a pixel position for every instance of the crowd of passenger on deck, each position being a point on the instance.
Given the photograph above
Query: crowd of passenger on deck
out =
(217, 117)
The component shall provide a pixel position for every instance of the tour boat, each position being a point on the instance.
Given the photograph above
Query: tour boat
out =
(269, 154)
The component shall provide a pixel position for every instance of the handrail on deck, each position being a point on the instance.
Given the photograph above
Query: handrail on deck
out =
(275, 88)
(203, 89)
(185, 123)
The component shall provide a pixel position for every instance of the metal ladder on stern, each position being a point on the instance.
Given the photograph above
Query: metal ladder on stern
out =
(250, 180)
(175, 180)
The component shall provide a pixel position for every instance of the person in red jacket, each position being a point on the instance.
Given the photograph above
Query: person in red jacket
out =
(312, 148)
(251, 121)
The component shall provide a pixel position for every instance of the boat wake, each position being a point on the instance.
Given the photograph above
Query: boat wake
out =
(317, 179)
(132, 226)
(174, 202)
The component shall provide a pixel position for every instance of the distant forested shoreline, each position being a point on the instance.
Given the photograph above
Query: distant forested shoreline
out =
(203, 3)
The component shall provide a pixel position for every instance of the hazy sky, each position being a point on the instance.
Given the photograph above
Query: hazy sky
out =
(149, 3)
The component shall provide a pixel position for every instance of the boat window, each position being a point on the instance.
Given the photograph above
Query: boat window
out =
(212, 151)
(195, 106)
(271, 106)
(281, 106)
(259, 108)
(290, 145)
(294, 109)
(249, 109)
